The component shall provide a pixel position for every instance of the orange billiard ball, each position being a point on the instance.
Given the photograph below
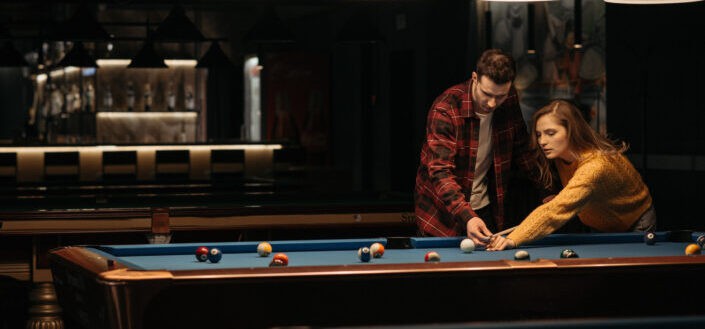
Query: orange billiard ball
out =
(692, 249)
(377, 250)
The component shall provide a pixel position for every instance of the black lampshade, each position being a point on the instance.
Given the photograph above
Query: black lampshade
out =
(82, 26)
(214, 57)
(147, 57)
(269, 29)
(78, 56)
(10, 57)
(360, 28)
(177, 27)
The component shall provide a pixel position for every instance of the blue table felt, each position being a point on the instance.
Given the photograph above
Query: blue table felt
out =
(180, 256)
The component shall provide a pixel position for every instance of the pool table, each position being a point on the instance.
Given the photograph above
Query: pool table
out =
(325, 284)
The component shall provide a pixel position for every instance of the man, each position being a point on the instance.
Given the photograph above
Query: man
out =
(475, 133)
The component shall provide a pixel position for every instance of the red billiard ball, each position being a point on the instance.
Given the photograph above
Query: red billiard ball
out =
(432, 256)
(280, 259)
(214, 255)
(202, 254)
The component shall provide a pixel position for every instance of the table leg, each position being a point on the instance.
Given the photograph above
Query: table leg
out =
(44, 309)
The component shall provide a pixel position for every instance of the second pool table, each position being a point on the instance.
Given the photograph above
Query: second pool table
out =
(325, 284)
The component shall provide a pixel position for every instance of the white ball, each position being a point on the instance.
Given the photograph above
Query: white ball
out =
(467, 245)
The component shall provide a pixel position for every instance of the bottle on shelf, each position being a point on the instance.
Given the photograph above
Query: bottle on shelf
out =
(130, 97)
(189, 99)
(147, 97)
(107, 99)
(171, 98)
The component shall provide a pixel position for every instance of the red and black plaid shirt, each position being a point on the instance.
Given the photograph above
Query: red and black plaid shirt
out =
(445, 174)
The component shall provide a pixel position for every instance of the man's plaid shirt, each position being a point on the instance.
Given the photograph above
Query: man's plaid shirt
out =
(445, 174)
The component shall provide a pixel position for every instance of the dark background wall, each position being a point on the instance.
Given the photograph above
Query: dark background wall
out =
(656, 72)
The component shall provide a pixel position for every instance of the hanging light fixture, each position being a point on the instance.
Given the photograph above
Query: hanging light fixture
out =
(177, 27)
(10, 57)
(649, 2)
(361, 28)
(78, 56)
(147, 57)
(269, 29)
(82, 26)
(577, 24)
(214, 57)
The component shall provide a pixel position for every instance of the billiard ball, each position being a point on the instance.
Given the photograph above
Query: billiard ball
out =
(467, 245)
(522, 255)
(281, 259)
(276, 263)
(377, 250)
(701, 241)
(364, 254)
(264, 249)
(202, 254)
(214, 255)
(650, 238)
(569, 253)
(692, 249)
(432, 256)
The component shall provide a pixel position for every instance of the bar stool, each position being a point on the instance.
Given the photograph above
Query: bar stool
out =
(172, 165)
(227, 165)
(120, 166)
(61, 166)
(8, 167)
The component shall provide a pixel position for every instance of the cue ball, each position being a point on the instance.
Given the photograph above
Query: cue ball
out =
(364, 254)
(432, 256)
(280, 259)
(650, 238)
(522, 255)
(214, 255)
(264, 249)
(569, 253)
(692, 249)
(202, 254)
(701, 241)
(377, 250)
(467, 245)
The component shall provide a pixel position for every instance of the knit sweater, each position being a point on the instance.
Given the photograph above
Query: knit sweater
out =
(605, 191)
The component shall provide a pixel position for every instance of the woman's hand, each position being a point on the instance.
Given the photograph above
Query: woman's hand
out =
(500, 243)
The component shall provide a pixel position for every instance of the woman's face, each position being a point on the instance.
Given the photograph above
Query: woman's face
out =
(552, 137)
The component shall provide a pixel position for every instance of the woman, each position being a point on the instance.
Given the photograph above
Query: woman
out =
(600, 185)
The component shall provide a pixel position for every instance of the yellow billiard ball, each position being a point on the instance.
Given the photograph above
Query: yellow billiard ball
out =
(692, 249)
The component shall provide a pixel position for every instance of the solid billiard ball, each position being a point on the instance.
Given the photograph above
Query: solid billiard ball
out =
(701, 241)
(202, 254)
(432, 256)
(364, 254)
(276, 262)
(522, 255)
(467, 245)
(377, 250)
(264, 249)
(692, 249)
(650, 238)
(569, 253)
(280, 258)
(214, 255)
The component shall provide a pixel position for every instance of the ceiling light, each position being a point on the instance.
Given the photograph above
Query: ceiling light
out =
(177, 27)
(78, 56)
(214, 57)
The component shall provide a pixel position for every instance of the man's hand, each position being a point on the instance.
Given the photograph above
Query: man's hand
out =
(478, 232)
(500, 243)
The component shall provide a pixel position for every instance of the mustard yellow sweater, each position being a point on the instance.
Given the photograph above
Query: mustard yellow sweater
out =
(605, 191)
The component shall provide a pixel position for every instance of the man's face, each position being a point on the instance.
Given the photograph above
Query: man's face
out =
(487, 95)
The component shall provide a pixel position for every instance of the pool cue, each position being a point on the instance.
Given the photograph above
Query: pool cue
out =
(507, 231)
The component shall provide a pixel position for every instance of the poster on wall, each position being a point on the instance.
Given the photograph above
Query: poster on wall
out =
(296, 100)
(556, 68)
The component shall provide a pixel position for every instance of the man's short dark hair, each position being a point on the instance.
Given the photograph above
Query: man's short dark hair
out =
(496, 65)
